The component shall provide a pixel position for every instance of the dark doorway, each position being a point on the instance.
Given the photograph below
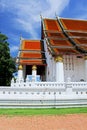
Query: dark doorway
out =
(40, 71)
(28, 69)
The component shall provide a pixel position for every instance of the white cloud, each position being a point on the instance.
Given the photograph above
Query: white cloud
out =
(28, 12)
(27, 27)
(14, 41)
(26, 16)
(55, 6)
(14, 48)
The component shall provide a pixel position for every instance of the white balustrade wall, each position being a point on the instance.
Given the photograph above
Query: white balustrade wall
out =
(44, 94)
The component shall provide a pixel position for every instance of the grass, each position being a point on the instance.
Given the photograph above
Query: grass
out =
(43, 111)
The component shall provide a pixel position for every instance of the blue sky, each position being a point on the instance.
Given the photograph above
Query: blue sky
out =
(22, 17)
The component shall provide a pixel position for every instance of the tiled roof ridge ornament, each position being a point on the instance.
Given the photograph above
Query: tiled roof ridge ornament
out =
(21, 37)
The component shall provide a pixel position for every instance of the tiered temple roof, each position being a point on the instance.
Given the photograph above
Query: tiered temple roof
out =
(65, 36)
(31, 52)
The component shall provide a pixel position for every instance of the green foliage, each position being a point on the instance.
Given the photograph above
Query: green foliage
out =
(43, 111)
(7, 64)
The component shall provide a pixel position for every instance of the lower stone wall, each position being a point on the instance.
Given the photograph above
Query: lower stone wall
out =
(44, 94)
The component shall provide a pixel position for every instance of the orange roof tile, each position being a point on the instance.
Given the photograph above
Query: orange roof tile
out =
(61, 43)
(31, 52)
(76, 30)
(72, 24)
(77, 34)
(80, 40)
(30, 55)
(56, 38)
(31, 62)
(66, 32)
(65, 51)
(81, 43)
(51, 25)
(31, 45)
(53, 34)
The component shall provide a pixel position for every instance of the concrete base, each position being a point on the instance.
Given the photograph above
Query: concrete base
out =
(44, 95)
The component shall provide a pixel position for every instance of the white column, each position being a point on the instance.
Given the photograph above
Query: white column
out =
(86, 68)
(34, 73)
(59, 69)
(20, 72)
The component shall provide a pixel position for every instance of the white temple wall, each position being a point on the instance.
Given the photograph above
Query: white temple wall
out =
(85, 69)
(50, 70)
(74, 68)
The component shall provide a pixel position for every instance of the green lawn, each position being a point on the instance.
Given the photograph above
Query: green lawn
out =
(43, 111)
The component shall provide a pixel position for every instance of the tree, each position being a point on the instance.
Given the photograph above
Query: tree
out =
(7, 64)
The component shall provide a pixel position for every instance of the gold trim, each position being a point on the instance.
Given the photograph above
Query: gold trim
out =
(85, 57)
(59, 59)
(34, 67)
(20, 67)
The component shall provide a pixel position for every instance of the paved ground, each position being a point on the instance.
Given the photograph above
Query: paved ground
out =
(66, 122)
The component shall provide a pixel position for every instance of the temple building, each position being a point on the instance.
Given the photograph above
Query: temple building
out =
(59, 56)
(52, 71)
